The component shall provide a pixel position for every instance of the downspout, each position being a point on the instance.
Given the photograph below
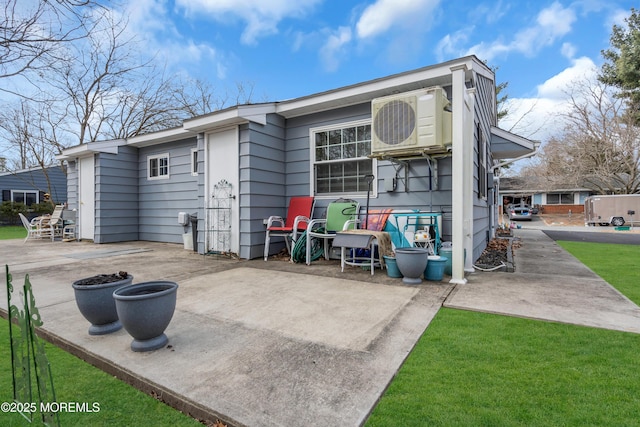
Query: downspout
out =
(468, 179)
(457, 180)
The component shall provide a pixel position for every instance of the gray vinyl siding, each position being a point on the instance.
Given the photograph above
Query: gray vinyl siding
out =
(484, 115)
(116, 196)
(419, 196)
(263, 175)
(160, 200)
(72, 185)
(52, 180)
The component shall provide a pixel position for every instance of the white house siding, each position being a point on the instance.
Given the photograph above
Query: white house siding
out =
(160, 200)
(116, 196)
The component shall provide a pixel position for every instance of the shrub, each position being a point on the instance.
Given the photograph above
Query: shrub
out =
(9, 212)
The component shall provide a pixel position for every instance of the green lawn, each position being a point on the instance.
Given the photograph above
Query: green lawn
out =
(475, 369)
(77, 381)
(12, 232)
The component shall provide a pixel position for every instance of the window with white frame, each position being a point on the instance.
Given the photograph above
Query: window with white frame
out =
(28, 197)
(339, 156)
(560, 199)
(158, 166)
(194, 161)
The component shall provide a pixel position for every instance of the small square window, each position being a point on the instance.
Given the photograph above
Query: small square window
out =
(158, 166)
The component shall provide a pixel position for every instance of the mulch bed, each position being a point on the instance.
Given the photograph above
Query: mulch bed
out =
(495, 254)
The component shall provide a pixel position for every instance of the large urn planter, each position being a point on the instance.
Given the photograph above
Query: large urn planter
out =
(145, 310)
(411, 263)
(94, 298)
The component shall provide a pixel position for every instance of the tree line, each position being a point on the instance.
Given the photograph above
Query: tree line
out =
(71, 73)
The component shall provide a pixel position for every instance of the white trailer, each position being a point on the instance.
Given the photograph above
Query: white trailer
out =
(616, 210)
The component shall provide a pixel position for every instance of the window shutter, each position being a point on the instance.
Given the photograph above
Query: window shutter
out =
(6, 195)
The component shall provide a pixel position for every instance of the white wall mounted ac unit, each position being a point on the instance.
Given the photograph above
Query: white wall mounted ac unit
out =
(411, 123)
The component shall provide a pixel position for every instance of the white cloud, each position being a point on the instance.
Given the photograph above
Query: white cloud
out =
(568, 50)
(447, 47)
(261, 17)
(539, 117)
(551, 23)
(384, 14)
(333, 48)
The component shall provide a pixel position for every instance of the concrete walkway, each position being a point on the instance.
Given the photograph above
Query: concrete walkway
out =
(280, 344)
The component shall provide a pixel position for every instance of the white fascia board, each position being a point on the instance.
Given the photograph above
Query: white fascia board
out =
(239, 114)
(90, 148)
(435, 75)
(159, 137)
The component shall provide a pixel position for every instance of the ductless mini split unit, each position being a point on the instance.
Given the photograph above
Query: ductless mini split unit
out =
(411, 123)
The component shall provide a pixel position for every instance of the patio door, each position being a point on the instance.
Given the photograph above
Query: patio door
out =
(222, 221)
(86, 197)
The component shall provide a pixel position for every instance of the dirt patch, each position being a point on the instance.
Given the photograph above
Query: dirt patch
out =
(563, 219)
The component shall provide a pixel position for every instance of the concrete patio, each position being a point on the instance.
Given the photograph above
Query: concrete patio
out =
(256, 343)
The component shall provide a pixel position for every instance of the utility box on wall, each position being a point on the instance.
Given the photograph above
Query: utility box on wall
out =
(183, 218)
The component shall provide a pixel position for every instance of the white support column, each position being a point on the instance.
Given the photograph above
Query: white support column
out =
(468, 178)
(458, 171)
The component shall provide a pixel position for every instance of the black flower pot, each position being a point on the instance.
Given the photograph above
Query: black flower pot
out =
(97, 305)
(145, 310)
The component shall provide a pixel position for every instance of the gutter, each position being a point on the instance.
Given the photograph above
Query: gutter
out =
(536, 147)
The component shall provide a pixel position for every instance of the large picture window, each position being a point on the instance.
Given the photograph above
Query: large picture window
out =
(340, 162)
(158, 166)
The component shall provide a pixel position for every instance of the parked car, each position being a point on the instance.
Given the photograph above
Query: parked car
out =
(519, 212)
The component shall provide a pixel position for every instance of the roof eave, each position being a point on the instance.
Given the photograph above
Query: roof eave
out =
(90, 148)
(507, 145)
(433, 75)
(236, 115)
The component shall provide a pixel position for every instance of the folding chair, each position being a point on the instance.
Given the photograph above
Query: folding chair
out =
(298, 216)
(338, 214)
(52, 225)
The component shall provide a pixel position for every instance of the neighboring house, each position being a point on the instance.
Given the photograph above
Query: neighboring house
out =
(236, 167)
(29, 186)
(548, 197)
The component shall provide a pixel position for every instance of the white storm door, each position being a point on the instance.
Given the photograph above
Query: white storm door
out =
(223, 165)
(86, 197)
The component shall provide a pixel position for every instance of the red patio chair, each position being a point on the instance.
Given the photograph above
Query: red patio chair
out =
(298, 216)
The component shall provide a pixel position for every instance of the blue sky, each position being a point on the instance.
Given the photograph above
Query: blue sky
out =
(283, 49)
(287, 49)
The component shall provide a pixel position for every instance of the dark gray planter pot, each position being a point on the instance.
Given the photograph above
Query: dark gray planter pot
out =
(97, 305)
(411, 263)
(145, 310)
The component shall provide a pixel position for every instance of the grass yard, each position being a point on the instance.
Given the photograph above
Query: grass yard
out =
(476, 369)
(617, 264)
(489, 370)
(77, 381)
(12, 232)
